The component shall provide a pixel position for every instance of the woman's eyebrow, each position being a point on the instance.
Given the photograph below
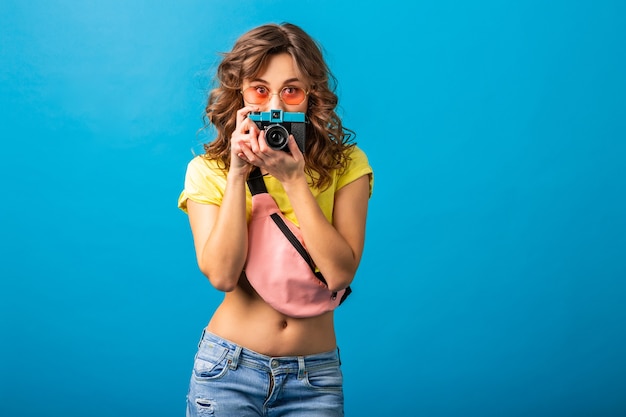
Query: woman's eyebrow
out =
(261, 80)
(291, 80)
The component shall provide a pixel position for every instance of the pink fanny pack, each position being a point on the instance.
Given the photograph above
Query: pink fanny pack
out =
(278, 266)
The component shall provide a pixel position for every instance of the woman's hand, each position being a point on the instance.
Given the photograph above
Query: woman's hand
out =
(249, 145)
(284, 166)
(245, 132)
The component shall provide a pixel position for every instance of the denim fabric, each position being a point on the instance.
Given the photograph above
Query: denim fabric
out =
(228, 380)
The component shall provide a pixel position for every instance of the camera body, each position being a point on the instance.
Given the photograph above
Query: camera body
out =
(278, 125)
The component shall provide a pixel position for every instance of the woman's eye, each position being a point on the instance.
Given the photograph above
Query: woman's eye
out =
(290, 91)
(261, 90)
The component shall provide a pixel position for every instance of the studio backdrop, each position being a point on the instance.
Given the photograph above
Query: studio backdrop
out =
(493, 279)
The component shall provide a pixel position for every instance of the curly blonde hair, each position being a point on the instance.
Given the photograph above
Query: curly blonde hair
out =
(327, 140)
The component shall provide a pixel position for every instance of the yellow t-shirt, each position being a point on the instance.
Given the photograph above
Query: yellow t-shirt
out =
(205, 183)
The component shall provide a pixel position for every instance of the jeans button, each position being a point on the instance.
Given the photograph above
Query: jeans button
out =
(274, 363)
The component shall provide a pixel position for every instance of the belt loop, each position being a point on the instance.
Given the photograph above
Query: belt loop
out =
(201, 337)
(338, 356)
(301, 367)
(235, 359)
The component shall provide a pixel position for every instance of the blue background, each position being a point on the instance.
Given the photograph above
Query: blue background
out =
(493, 281)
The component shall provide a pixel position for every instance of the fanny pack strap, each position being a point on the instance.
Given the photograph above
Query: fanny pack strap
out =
(257, 186)
(255, 182)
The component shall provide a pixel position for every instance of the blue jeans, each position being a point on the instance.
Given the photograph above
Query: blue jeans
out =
(231, 381)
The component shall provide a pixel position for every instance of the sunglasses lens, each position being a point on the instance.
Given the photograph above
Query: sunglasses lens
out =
(292, 95)
(255, 95)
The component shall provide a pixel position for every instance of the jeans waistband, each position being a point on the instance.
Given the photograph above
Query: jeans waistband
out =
(239, 355)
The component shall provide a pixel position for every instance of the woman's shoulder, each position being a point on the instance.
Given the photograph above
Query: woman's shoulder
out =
(205, 182)
(203, 164)
(357, 166)
(356, 155)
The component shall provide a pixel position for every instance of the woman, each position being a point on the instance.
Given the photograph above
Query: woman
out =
(254, 359)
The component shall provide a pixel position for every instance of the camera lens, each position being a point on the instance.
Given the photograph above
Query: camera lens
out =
(276, 137)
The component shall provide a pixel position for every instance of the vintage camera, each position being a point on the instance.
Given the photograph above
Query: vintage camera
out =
(279, 125)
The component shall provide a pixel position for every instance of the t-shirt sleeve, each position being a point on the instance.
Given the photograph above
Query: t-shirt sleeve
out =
(204, 183)
(357, 167)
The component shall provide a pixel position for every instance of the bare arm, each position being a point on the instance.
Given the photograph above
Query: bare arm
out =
(220, 233)
(336, 248)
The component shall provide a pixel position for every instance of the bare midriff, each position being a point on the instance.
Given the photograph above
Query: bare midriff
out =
(245, 319)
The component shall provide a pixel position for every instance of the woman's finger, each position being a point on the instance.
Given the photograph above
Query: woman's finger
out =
(242, 121)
